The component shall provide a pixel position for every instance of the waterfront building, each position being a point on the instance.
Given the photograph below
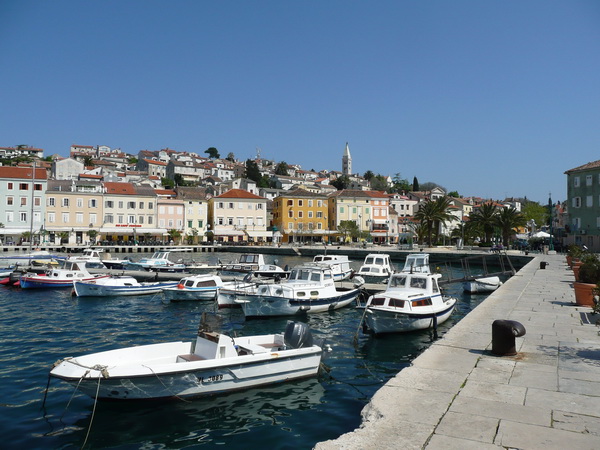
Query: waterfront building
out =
(66, 169)
(238, 216)
(73, 209)
(583, 206)
(195, 204)
(170, 213)
(22, 206)
(301, 216)
(368, 209)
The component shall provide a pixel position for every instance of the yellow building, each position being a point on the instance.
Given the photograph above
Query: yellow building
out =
(301, 216)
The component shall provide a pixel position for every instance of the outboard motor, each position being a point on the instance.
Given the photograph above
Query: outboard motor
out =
(297, 335)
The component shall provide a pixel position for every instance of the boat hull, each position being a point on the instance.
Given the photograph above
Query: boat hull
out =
(381, 321)
(43, 282)
(192, 294)
(255, 306)
(172, 376)
(97, 290)
(489, 284)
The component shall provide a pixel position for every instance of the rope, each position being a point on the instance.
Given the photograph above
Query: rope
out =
(168, 389)
(73, 395)
(93, 412)
(361, 320)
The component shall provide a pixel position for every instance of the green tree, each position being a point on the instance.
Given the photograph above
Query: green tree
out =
(508, 220)
(535, 211)
(432, 214)
(92, 234)
(252, 171)
(167, 182)
(88, 161)
(379, 183)
(400, 184)
(485, 219)
(179, 181)
(174, 235)
(282, 169)
(454, 194)
(212, 152)
(230, 157)
(415, 185)
(341, 183)
(368, 175)
(348, 229)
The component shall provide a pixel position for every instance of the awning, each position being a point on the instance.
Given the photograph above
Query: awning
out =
(13, 231)
(261, 233)
(129, 230)
(229, 233)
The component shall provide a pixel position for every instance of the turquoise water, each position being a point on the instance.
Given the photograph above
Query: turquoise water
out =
(39, 327)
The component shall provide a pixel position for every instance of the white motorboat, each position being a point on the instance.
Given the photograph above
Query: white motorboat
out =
(57, 277)
(23, 259)
(118, 285)
(412, 301)
(417, 262)
(376, 268)
(310, 288)
(340, 265)
(213, 363)
(254, 263)
(482, 284)
(92, 257)
(160, 262)
(196, 287)
(227, 294)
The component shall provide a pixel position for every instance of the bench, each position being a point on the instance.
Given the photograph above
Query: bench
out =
(188, 358)
(253, 348)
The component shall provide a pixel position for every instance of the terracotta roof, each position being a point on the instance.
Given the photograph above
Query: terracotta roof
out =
(588, 166)
(302, 193)
(119, 188)
(240, 193)
(22, 173)
(152, 161)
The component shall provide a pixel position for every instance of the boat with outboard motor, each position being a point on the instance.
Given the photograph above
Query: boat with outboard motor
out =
(310, 288)
(158, 262)
(213, 363)
(482, 284)
(254, 263)
(195, 287)
(339, 264)
(412, 301)
(118, 285)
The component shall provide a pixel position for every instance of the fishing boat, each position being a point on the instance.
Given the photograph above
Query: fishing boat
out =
(339, 264)
(376, 268)
(482, 284)
(27, 258)
(417, 262)
(118, 285)
(160, 262)
(62, 276)
(213, 363)
(412, 301)
(310, 289)
(254, 263)
(94, 257)
(196, 287)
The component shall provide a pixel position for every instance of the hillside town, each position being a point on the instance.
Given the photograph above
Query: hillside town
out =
(103, 195)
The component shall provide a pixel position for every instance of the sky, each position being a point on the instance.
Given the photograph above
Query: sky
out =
(492, 99)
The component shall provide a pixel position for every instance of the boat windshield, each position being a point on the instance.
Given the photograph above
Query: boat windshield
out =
(418, 282)
(398, 281)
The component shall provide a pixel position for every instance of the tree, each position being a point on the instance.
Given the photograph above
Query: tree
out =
(533, 210)
(379, 183)
(400, 184)
(167, 182)
(432, 214)
(174, 234)
(508, 220)
(230, 157)
(252, 171)
(348, 228)
(415, 185)
(485, 219)
(212, 152)
(453, 194)
(178, 180)
(88, 161)
(281, 169)
(368, 175)
(92, 234)
(341, 183)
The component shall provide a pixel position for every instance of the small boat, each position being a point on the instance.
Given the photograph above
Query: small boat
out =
(196, 287)
(376, 268)
(417, 262)
(310, 288)
(482, 284)
(227, 294)
(254, 263)
(27, 258)
(57, 277)
(98, 258)
(340, 265)
(160, 262)
(412, 301)
(213, 363)
(118, 285)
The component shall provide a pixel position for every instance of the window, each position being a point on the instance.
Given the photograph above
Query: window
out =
(80, 203)
(230, 205)
(220, 205)
(65, 217)
(589, 201)
(290, 202)
(120, 205)
(37, 187)
(10, 216)
(51, 217)
(319, 215)
(150, 206)
(588, 180)
(310, 203)
(23, 201)
(319, 226)
(109, 204)
(319, 203)
(141, 220)
(9, 201)
(93, 218)
(23, 217)
(290, 225)
(120, 218)
(220, 221)
(576, 182)
(150, 219)
(37, 201)
(300, 214)
(300, 202)
(576, 202)
(290, 214)
(130, 205)
(161, 223)
(93, 203)
(230, 221)
(109, 218)
(51, 201)
(171, 210)
(23, 187)
(65, 202)
(79, 217)
(130, 219)
(310, 214)
(141, 205)
(10, 186)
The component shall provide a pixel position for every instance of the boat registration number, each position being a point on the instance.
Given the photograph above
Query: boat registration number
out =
(210, 379)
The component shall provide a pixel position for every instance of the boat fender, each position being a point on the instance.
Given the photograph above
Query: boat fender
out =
(248, 277)
(180, 286)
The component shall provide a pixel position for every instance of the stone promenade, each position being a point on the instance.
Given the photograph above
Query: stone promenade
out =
(457, 395)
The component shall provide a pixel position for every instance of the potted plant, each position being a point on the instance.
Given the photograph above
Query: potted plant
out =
(574, 254)
(589, 277)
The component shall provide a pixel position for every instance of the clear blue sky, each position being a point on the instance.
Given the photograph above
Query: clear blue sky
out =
(489, 98)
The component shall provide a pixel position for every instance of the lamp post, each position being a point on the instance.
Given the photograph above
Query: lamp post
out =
(550, 210)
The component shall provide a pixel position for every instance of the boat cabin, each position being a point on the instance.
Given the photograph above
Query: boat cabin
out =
(417, 262)
(199, 282)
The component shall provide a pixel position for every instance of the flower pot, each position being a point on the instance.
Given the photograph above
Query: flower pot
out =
(569, 260)
(576, 266)
(584, 295)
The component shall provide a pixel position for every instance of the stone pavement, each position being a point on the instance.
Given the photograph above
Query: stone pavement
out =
(457, 395)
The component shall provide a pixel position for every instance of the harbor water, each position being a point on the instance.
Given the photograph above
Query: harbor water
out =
(40, 327)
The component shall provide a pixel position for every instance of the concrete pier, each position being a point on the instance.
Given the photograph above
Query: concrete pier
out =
(457, 395)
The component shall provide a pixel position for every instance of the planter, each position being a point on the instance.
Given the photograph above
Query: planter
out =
(575, 267)
(584, 294)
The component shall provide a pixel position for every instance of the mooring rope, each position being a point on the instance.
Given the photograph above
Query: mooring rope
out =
(167, 388)
(93, 413)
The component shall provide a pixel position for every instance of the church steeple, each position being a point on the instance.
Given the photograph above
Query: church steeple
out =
(347, 161)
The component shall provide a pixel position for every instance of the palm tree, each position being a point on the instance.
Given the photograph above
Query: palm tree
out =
(508, 220)
(432, 214)
(174, 234)
(485, 218)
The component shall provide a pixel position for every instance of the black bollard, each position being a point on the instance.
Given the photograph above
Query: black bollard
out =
(543, 264)
(504, 333)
